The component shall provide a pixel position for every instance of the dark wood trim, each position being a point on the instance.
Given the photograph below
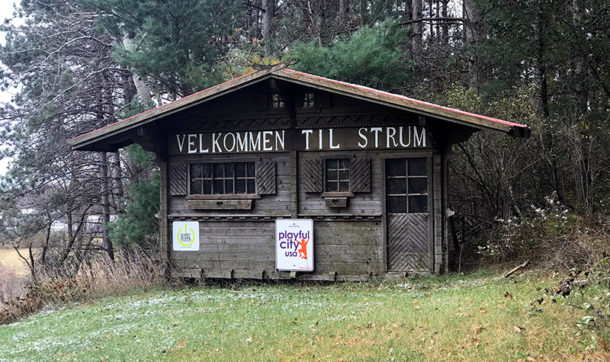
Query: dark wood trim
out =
(223, 197)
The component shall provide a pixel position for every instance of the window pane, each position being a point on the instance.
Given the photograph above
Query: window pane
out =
(396, 186)
(396, 167)
(240, 169)
(332, 186)
(207, 187)
(207, 170)
(218, 170)
(397, 204)
(330, 164)
(196, 187)
(343, 163)
(240, 186)
(418, 167)
(331, 175)
(196, 170)
(218, 189)
(344, 175)
(229, 186)
(250, 169)
(228, 170)
(418, 204)
(418, 185)
(344, 186)
(251, 188)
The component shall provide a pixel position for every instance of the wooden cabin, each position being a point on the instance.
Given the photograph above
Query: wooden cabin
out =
(281, 174)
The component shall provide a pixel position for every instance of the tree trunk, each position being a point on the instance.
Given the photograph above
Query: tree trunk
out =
(117, 184)
(472, 36)
(342, 14)
(106, 242)
(542, 90)
(141, 86)
(268, 8)
(445, 26)
(417, 31)
(472, 29)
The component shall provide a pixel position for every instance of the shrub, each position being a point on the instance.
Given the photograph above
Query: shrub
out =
(551, 236)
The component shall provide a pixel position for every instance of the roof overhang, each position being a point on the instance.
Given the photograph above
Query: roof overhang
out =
(93, 140)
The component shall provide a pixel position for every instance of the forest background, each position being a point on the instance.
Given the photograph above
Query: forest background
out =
(77, 65)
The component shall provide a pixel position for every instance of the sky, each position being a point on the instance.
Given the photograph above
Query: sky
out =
(6, 11)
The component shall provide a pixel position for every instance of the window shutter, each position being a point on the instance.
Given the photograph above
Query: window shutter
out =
(360, 175)
(265, 178)
(177, 178)
(312, 175)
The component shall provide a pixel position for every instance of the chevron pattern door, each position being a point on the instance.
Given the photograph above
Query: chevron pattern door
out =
(408, 216)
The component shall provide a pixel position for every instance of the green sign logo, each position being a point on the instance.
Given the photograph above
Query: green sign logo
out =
(186, 237)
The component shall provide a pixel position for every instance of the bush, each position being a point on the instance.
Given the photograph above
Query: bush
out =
(551, 237)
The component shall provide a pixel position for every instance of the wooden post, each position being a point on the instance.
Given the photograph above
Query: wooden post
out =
(445, 174)
(294, 184)
(164, 249)
(437, 194)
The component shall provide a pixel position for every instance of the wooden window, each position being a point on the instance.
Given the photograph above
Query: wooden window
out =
(407, 185)
(277, 101)
(337, 175)
(222, 178)
(308, 100)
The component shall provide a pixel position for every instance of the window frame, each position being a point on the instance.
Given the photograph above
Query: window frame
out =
(224, 196)
(331, 194)
(428, 176)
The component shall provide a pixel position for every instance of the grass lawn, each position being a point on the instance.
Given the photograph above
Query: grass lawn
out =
(476, 317)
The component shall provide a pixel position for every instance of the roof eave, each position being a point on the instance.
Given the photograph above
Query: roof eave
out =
(168, 109)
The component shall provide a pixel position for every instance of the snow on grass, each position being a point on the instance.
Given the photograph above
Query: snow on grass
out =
(271, 322)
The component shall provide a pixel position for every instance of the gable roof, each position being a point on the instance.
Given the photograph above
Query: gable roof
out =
(334, 86)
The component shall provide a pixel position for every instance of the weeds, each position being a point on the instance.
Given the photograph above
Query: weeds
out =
(100, 277)
(551, 237)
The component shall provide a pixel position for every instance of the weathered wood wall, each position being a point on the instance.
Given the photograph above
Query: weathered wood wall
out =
(350, 243)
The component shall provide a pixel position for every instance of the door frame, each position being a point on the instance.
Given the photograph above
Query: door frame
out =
(429, 155)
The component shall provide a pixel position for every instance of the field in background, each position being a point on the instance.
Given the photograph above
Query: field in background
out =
(9, 258)
(476, 317)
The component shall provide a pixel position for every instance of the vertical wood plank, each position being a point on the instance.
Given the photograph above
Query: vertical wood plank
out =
(445, 169)
(294, 184)
(437, 212)
(164, 248)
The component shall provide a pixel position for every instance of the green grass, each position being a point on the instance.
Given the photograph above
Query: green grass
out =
(472, 318)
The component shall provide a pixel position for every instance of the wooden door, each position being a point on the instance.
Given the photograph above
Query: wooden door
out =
(408, 216)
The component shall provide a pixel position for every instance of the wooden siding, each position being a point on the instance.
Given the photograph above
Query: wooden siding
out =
(361, 204)
(277, 204)
(350, 242)
(247, 250)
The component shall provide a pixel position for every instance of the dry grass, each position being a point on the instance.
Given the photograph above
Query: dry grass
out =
(71, 283)
(10, 259)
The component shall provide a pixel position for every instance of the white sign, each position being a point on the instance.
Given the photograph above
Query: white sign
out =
(294, 244)
(185, 235)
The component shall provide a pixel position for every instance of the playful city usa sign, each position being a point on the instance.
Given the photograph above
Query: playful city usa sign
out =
(294, 244)
(398, 137)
